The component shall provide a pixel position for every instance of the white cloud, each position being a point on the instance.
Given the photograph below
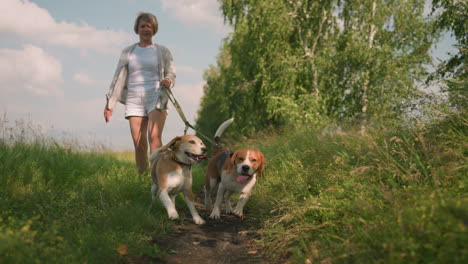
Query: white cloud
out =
(89, 110)
(36, 24)
(189, 95)
(84, 78)
(30, 70)
(197, 12)
(189, 70)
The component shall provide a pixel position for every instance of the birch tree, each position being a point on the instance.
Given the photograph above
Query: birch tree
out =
(302, 61)
(381, 53)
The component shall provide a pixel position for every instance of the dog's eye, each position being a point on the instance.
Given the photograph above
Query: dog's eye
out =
(191, 141)
(241, 159)
(254, 160)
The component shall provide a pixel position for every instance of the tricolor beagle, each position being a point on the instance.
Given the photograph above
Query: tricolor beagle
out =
(231, 172)
(171, 173)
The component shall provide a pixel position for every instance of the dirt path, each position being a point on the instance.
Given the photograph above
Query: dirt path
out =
(224, 241)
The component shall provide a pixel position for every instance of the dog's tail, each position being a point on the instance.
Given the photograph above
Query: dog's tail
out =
(222, 127)
(219, 132)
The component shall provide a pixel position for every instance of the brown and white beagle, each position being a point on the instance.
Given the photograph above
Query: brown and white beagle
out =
(171, 173)
(229, 173)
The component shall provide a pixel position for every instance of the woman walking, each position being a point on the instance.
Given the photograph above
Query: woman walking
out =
(143, 69)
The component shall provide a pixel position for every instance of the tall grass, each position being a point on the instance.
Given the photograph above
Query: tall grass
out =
(396, 195)
(59, 205)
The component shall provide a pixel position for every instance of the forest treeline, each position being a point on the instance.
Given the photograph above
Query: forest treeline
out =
(306, 61)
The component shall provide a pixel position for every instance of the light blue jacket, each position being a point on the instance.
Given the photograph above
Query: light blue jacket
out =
(118, 88)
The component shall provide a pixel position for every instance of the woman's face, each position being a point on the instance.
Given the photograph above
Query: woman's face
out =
(145, 30)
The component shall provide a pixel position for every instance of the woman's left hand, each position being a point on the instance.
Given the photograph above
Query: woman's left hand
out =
(166, 82)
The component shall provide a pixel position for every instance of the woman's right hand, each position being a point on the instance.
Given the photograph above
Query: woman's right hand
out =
(166, 82)
(107, 114)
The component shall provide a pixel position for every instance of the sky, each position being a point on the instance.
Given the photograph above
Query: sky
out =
(57, 58)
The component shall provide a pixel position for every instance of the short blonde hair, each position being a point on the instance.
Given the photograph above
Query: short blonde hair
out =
(147, 17)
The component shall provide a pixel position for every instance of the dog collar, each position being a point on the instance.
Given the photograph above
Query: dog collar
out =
(180, 162)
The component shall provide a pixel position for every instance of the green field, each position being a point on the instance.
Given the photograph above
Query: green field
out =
(392, 196)
(330, 196)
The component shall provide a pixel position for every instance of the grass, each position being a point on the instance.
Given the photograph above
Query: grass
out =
(62, 205)
(395, 195)
(392, 196)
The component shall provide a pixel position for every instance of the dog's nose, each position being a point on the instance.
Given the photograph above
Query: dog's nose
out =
(203, 150)
(245, 168)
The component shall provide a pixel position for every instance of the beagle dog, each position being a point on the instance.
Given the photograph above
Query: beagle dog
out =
(171, 173)
(229, 173)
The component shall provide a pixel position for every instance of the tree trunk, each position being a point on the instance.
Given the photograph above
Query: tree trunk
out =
(314, 46)
(365, 85)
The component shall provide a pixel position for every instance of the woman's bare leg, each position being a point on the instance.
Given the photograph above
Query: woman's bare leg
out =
(139, 128)
(156, 121)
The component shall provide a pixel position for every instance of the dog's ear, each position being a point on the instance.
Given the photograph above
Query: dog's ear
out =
(171, 144)
(232, 162)
(163, 150)
(261, 167)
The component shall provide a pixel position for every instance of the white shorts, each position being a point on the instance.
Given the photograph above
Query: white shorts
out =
(140, 103)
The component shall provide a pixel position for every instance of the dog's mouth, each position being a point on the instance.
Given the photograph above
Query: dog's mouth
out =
(195, 157)
(242, 179)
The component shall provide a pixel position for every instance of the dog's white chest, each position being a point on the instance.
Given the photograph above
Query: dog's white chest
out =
(177, 179)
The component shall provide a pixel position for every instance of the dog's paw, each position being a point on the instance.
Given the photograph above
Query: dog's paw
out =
(238, 213)
(198, 220)
(173, 215)
(215, 213)
(228, 210)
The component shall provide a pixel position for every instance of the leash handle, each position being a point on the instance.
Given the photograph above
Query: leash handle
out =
(175, 103)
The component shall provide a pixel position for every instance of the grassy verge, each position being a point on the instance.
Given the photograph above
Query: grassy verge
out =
(392, 196)
(62, 206)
